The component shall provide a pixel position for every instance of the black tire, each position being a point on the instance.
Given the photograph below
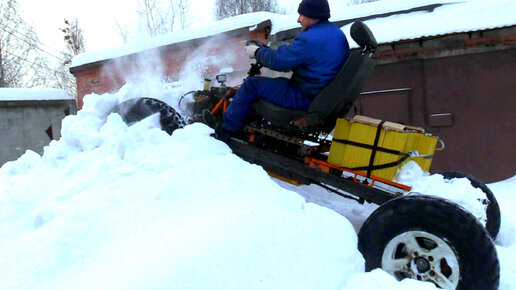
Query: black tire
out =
(393, 233)
(493, 209)
(135, 110)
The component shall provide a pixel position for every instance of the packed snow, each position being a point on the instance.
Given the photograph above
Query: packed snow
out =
(111, 206)
(458, 190)
(17, 94)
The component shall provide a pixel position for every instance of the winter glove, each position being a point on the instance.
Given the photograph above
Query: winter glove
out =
(251, 50)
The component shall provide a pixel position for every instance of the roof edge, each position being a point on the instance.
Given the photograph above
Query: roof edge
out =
(265, 25)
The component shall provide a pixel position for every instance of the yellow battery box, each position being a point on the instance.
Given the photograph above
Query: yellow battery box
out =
(379, 148)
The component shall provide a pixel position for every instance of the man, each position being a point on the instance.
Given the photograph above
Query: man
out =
(315, 57)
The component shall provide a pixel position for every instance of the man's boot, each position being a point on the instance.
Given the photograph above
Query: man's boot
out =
(222, 134)
(209, 119)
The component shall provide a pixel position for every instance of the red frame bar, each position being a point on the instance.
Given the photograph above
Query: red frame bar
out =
(325, 166)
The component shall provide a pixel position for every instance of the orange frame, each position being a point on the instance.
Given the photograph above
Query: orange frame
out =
(325, 167)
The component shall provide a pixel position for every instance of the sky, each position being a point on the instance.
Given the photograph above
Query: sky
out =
(98, 18)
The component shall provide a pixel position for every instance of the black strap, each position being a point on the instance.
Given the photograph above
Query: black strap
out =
(367, 146)
(375, 147)
(382, 166)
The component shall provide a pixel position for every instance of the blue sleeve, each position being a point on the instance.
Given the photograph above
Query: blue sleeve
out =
(285, 57)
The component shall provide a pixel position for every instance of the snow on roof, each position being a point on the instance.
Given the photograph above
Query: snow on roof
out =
(390, 21)
(241, 21)
(449, 17)
(16, 94)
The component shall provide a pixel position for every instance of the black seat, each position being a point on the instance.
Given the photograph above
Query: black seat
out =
(334, 100)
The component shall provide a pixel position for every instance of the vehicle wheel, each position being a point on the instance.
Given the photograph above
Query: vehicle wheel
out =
(493, 209)
(430, 239)
(135, 110)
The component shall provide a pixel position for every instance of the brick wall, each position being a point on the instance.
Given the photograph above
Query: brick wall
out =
(110, 75)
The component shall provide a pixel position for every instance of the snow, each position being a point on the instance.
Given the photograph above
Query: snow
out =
(458, 190)
(111, 206)
(378, 279)
(454, 16)
(504, 191)
(115, 207)
(16, 94)
(356, 214)
(506, 239)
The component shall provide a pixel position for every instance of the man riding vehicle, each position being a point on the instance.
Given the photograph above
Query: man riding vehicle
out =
(315, 57)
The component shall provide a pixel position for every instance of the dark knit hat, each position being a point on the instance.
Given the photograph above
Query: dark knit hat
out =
(316, 9)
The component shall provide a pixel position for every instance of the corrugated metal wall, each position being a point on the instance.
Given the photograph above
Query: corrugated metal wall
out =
(468, 100)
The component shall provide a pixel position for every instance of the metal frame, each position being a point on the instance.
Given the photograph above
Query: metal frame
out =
(305, 174)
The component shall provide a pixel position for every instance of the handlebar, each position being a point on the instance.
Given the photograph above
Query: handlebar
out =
(255, 42)
(255, 67)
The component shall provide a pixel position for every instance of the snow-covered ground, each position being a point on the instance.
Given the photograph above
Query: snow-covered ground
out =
(115, 207)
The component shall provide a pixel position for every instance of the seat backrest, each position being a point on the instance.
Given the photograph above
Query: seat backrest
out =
(337, 98)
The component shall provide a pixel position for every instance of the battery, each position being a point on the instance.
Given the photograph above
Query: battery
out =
(366, 143)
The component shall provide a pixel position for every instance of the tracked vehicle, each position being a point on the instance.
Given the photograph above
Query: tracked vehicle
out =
(410, 235)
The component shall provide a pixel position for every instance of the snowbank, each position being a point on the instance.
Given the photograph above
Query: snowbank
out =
(111, 206)
(506, 240)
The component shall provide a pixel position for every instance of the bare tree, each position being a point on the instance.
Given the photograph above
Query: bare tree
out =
(74, 37)
(356, 2)
(74, 40)
(123, 31)
(156, 17)
(229, 8)
(183, 6)
(21, 61)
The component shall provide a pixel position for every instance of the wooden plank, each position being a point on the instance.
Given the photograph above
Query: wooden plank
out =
(387, 125)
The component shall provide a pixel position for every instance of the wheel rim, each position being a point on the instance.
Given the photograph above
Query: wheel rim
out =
(422, 256)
